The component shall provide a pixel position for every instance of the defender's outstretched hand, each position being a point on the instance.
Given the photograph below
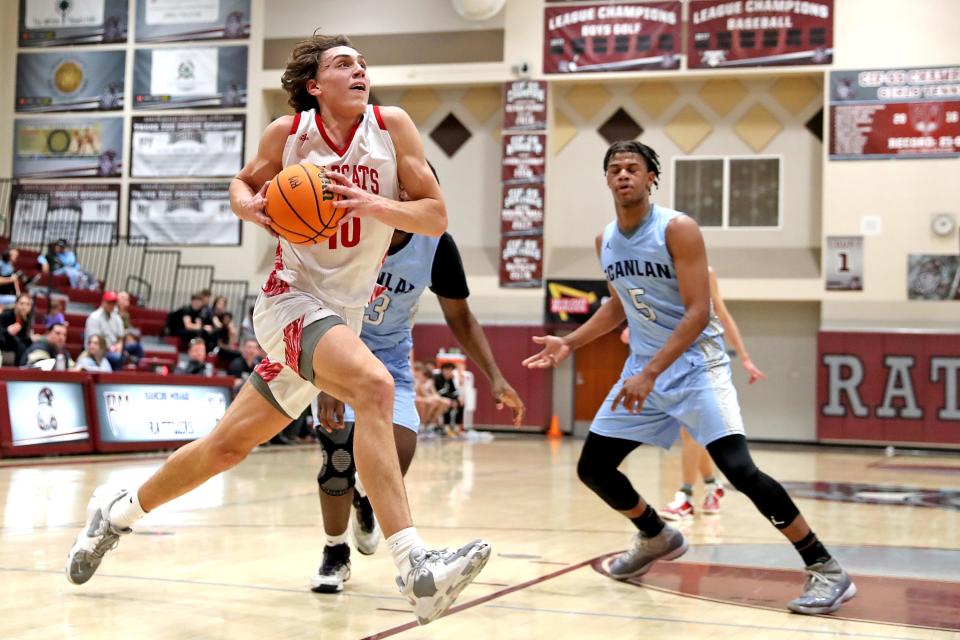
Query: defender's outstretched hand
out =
(555, 351)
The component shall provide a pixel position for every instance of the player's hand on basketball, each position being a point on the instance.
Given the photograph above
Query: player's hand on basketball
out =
(329, 412)
(555, 351)
(355, 200)
(506, 396)
(634, 392)
(253, 209)
(752, 370)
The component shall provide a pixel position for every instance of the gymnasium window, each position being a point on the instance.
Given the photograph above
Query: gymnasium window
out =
(729, 192)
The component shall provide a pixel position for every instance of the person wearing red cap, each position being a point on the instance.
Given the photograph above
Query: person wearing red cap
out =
(106, 321)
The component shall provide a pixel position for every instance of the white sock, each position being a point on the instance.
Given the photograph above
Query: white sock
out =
(333, 541)
(401, 544)
(126, 511)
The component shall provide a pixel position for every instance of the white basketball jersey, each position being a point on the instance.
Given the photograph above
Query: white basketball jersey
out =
(343, 270)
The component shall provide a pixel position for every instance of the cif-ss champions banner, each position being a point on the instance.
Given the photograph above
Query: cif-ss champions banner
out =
(889, 388)
(525, 105)
(187, 146)
(51, 23)
(47, 412)
(895, 113)
(171, 78)
(759, 33)
(44, 213)
(194, 213)
(521, 261)
(68, 148)
(573, 302)
(74, 81)
(621, 36)
(523, 163)
(158, 413)
(178, 20)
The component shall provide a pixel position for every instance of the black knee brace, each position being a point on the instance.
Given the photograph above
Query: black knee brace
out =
(338, 471)
(597, 468)
(732, 457)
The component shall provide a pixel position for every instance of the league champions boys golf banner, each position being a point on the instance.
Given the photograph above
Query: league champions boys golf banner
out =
(895, 113)
(68, 148)
(201, 146)
(619, 36)
(74, 81)
(53, 23)
(44, 213)
(522, 177)
(197, 77)
(759, 33)
(183, 213)
(178, 20)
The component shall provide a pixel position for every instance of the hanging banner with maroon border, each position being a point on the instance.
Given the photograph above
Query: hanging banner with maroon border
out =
(573, 302)
(888, 388)
(759, 33)
(524, 158)
(521, 210)
(619, 36)
(895, 113)
(525, 105)
(521, 262)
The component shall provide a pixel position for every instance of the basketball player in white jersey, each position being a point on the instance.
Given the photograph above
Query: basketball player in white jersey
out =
(678, 372)
(309, 314)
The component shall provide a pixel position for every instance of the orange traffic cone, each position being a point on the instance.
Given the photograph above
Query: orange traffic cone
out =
(554, 430)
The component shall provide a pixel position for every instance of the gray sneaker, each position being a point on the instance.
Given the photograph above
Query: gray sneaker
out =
(98, 535)
(828, 586)
(669, 544)
(436, 578)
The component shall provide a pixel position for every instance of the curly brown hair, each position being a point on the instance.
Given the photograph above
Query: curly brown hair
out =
(302, 66)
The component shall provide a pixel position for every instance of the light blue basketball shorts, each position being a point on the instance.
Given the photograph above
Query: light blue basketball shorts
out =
(691, 392)
(404, 408)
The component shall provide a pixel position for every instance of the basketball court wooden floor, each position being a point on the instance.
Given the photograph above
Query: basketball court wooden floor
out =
(232, 560)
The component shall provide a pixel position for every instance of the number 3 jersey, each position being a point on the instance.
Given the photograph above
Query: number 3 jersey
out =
(641, 270)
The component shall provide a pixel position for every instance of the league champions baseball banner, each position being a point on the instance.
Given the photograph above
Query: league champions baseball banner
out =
(44, 213)
(196, 77)
(178, 20)
(895, 113)
(53, 23)
(573, 302)
(197, 146)
(889, 388)
(74, 81)
(759, 33)
(158, 413)
(68, 148)
(613, 36)
(194, 213)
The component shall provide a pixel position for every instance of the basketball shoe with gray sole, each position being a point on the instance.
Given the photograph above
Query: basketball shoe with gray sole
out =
(669, 544)
(436, 578)
(366, 531)
(827, 587)
(98, 535)
(333, 571)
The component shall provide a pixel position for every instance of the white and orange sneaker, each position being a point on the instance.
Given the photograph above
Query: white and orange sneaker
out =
(711, 503)
(678, 509)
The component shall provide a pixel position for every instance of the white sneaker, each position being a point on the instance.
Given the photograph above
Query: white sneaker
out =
(333, 571)
(436, 578)
(98, 535)
(680, 507)
(365, 530)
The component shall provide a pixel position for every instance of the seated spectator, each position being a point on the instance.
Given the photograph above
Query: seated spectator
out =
(246, 327)
(430, 405)
(50, 346)
(222, 327)
(105, 321)
(94, 358)
(242, 366)
(196, 364)
(17, 329)
(61, 260)
(446, 385)
(9, 277)
(132, 349)
(123, 308)
(55, 314)
(186, 322)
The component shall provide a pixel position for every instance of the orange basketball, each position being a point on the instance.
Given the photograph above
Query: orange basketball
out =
(301, 205)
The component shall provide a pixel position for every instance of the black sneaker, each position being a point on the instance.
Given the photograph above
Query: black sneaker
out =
(366, 532)
(334, 571)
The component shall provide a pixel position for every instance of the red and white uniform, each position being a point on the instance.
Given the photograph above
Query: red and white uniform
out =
(337, 277)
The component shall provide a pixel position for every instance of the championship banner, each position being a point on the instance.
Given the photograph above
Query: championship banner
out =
(521, 262)
(888, 388)
(193, 213)
(524, 158)
(158, 413)
(844, 263)
(895, 113)
(44, 213)
(933, 277)
(172, 78)
(49, 23)
(75, 81)
(46, 412)
(68, 148)
(573, 302)
(525, 105)
(521, 211)
(759, 33)
(178, 20)
(619, 36)
(187, 146)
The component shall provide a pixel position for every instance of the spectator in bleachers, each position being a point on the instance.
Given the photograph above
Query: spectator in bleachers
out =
(17, 323)
(224, 330)
(48, 347)
(246, 327)
(132, 349)
(94, 358)
(55, 314)
(446, 385)
(123, 308)
(61, 260)
(242, 366)
(9, 277)
(186, 322)
(196, 364)
(105, 321)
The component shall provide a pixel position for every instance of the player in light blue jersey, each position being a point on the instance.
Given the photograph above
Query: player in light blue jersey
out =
(414, 263)
(677, 372)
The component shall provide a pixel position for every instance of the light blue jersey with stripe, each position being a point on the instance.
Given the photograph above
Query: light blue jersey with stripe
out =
(641, 270)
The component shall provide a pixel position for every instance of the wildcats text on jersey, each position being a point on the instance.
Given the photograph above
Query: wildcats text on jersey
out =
(644, 268)
(361, 175)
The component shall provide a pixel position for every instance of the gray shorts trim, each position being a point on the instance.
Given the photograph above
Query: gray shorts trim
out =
(308, 343)
(261, 386)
